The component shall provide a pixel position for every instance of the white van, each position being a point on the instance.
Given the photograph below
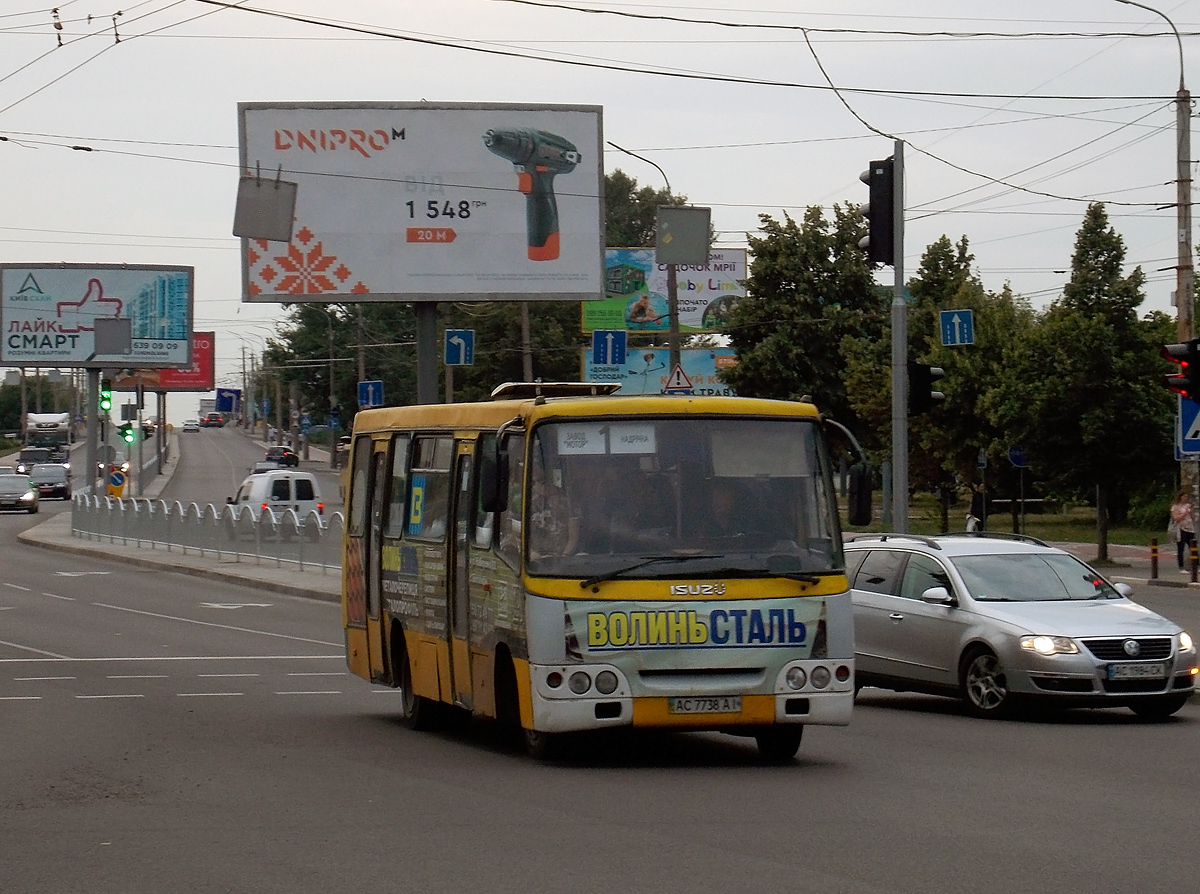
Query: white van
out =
(279, 490)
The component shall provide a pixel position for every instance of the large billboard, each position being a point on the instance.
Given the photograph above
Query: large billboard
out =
(428, 202)
(48, 314)
(636, 294)
(646, 370)
(200, 376)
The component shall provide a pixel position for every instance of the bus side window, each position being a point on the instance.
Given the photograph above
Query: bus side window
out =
(429, 488)
(508, 543)
(485, 522)
(396, 517)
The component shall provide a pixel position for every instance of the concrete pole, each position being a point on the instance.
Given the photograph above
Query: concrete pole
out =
(899, 352)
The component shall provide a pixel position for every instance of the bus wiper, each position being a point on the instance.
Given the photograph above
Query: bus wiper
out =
(647, 560)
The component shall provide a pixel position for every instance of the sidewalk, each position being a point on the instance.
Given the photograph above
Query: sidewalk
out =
(55, 533)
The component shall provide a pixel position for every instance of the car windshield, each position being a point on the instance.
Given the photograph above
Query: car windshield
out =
(719, 496)
(1031, 577)
(14, 484)
(48, 473)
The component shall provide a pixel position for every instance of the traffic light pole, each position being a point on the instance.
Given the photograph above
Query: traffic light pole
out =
(899, 353)
(93, 428)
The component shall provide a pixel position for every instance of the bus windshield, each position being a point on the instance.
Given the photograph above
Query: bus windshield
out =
(735, 496)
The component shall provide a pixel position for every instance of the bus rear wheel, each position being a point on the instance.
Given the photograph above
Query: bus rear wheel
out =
(779, 744)
(416, 711)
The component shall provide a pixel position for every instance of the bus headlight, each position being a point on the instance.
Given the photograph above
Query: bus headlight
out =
(579, 682)
(796, 677)
(606, 682)
(821, 676)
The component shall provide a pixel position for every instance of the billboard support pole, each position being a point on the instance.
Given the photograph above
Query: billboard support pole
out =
(426, 312)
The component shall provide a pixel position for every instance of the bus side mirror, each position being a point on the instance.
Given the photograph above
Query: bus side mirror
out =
(859, 498)
(493, 480)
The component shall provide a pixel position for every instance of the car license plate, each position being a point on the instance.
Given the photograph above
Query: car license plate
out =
(1142, 671)
(720, 704)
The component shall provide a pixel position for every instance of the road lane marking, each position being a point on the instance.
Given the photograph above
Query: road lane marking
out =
(56, 596)
(126, 695)
(205, 694)
(20, 698)
(317, 674)
(235, 605)
(50, 655)
(134, 611)
(226, 675)
(136, 676)
(15, 587)
(33, 679)
(79, 573)
(312, 692)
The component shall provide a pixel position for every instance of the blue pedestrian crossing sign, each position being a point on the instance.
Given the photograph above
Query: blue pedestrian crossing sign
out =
(608, 347)
(459, 349)
(958, 327)
(1189, 427)
(370, 394)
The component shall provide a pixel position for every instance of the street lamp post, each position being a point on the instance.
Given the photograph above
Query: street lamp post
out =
(1185, 302)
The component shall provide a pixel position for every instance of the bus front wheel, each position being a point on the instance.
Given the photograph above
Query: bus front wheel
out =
(416, 711)
(541, 746)
(779, 744)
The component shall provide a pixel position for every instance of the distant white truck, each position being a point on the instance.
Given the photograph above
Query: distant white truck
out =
(207, 405)
(51, 431)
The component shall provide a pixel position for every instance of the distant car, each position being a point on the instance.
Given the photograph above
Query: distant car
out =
(16, 492)
(30, 457)
(285, 456)
(191, 425)
(213, 420)
(999, 620)
(51, 480)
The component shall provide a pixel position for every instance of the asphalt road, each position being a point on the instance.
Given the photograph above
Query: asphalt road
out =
(161, 733)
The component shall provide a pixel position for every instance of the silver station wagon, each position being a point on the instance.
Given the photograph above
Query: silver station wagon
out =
(996, 620)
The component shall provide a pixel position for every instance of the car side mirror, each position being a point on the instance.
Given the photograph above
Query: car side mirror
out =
(859, 497)
(1125, 590)
(937, 596)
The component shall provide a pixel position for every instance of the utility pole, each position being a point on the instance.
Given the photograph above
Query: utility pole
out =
(899, 353)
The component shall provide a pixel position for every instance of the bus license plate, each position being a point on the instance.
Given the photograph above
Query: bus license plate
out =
(1142, 671)
(721, 704)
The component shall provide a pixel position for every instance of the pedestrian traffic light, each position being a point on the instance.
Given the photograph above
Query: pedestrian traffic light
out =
(1187, 380)
(105, 400)
(128, 435)
(880, 211)
(921, 396)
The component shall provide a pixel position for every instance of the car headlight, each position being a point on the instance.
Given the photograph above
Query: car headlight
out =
(1049, 645)
(1185, 641)
(29, 496)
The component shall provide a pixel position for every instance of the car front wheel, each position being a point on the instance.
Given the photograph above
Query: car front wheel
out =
(984, 684)
(1159, 708)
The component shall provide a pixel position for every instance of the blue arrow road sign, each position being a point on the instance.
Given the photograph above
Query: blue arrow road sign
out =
(266, 405)
(608, 347)
(1189, 427)
(958, 327)
(370, 394)
(459, 349)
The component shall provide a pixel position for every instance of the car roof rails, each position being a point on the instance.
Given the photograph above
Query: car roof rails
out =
(996, 535)
(882, 538)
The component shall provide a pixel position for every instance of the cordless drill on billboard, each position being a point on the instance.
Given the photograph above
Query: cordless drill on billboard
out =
(537, 157)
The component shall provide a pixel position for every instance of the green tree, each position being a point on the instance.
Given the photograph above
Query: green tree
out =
(1083, 389)
(631, 212)
(809, 287)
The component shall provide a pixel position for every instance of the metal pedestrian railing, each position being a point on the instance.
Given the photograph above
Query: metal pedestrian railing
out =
(226, 533)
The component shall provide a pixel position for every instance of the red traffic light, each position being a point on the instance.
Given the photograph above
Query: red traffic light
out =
(1187, 381)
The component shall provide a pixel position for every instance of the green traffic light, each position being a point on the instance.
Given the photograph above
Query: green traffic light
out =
(105, 401)
(127, 434)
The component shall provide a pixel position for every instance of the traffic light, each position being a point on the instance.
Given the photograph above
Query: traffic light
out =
(921, 396)
(1187, 380)
(128, 435)
(105, 400)
(880, 241)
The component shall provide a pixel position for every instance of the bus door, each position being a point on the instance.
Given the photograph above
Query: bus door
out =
(458, 574)
(372, 554)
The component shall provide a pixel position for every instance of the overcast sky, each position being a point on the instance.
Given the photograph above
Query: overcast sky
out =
(1014, 116)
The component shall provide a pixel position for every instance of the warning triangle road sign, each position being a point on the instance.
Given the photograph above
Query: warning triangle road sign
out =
(678, 382)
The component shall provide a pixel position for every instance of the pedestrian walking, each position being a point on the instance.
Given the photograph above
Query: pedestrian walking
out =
(975, 517)
(1182, 526)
